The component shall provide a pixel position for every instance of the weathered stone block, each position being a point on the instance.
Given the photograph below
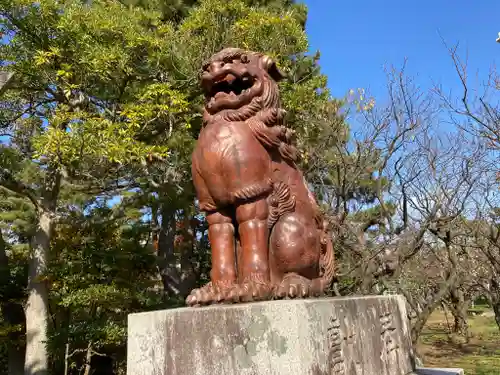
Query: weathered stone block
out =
(439, 371)
(330, 336)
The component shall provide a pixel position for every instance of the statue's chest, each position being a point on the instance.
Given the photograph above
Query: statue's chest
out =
(221, 136)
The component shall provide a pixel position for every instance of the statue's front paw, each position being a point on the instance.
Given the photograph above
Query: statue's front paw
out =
(211, 293)
(253, 290)
(200, 296)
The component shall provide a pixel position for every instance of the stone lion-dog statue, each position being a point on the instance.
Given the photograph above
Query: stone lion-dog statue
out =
(268, 237)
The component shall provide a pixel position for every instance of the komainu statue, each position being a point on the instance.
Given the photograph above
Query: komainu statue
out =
(267, 235)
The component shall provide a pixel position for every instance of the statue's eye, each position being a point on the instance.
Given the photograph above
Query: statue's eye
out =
(244, 59)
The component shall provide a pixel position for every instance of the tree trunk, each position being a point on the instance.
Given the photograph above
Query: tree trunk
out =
(460, 326)
(88, 360)
(459, 305)
(12, 313)
(66, 359)
(175, 263)
(430, 305)
(189, 277)
(37, 306)
(494, 297)
(167, 261)
(496, 309)
(419, 324)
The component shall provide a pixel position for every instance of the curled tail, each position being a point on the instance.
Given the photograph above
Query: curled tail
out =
(327, 260)
(327, 256)
(326, 263)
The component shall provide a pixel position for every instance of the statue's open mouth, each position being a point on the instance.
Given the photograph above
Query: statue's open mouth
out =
(230, 86)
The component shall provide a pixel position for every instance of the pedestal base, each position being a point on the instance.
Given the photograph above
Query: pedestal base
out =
(439, 371)
(330, 336)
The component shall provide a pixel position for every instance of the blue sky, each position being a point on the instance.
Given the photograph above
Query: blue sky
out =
(357, 38)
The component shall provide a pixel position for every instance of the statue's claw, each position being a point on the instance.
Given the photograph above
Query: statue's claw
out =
(293, 286)
(211, 294)
(250, 291)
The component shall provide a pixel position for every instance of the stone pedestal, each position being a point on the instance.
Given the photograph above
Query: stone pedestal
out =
(439, 371)
(330, 336)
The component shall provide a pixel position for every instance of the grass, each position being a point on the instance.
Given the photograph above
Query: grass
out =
(479, 356)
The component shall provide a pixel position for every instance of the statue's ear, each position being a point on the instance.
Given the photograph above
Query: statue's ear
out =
(276, 73)
(272, 68)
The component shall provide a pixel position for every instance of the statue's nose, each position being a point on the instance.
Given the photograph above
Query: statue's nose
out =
(216, 66)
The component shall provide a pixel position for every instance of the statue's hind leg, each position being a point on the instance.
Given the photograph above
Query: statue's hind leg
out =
(294, 257)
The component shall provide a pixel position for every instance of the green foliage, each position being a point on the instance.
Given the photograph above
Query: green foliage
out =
(88, 54)
(100, 272)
